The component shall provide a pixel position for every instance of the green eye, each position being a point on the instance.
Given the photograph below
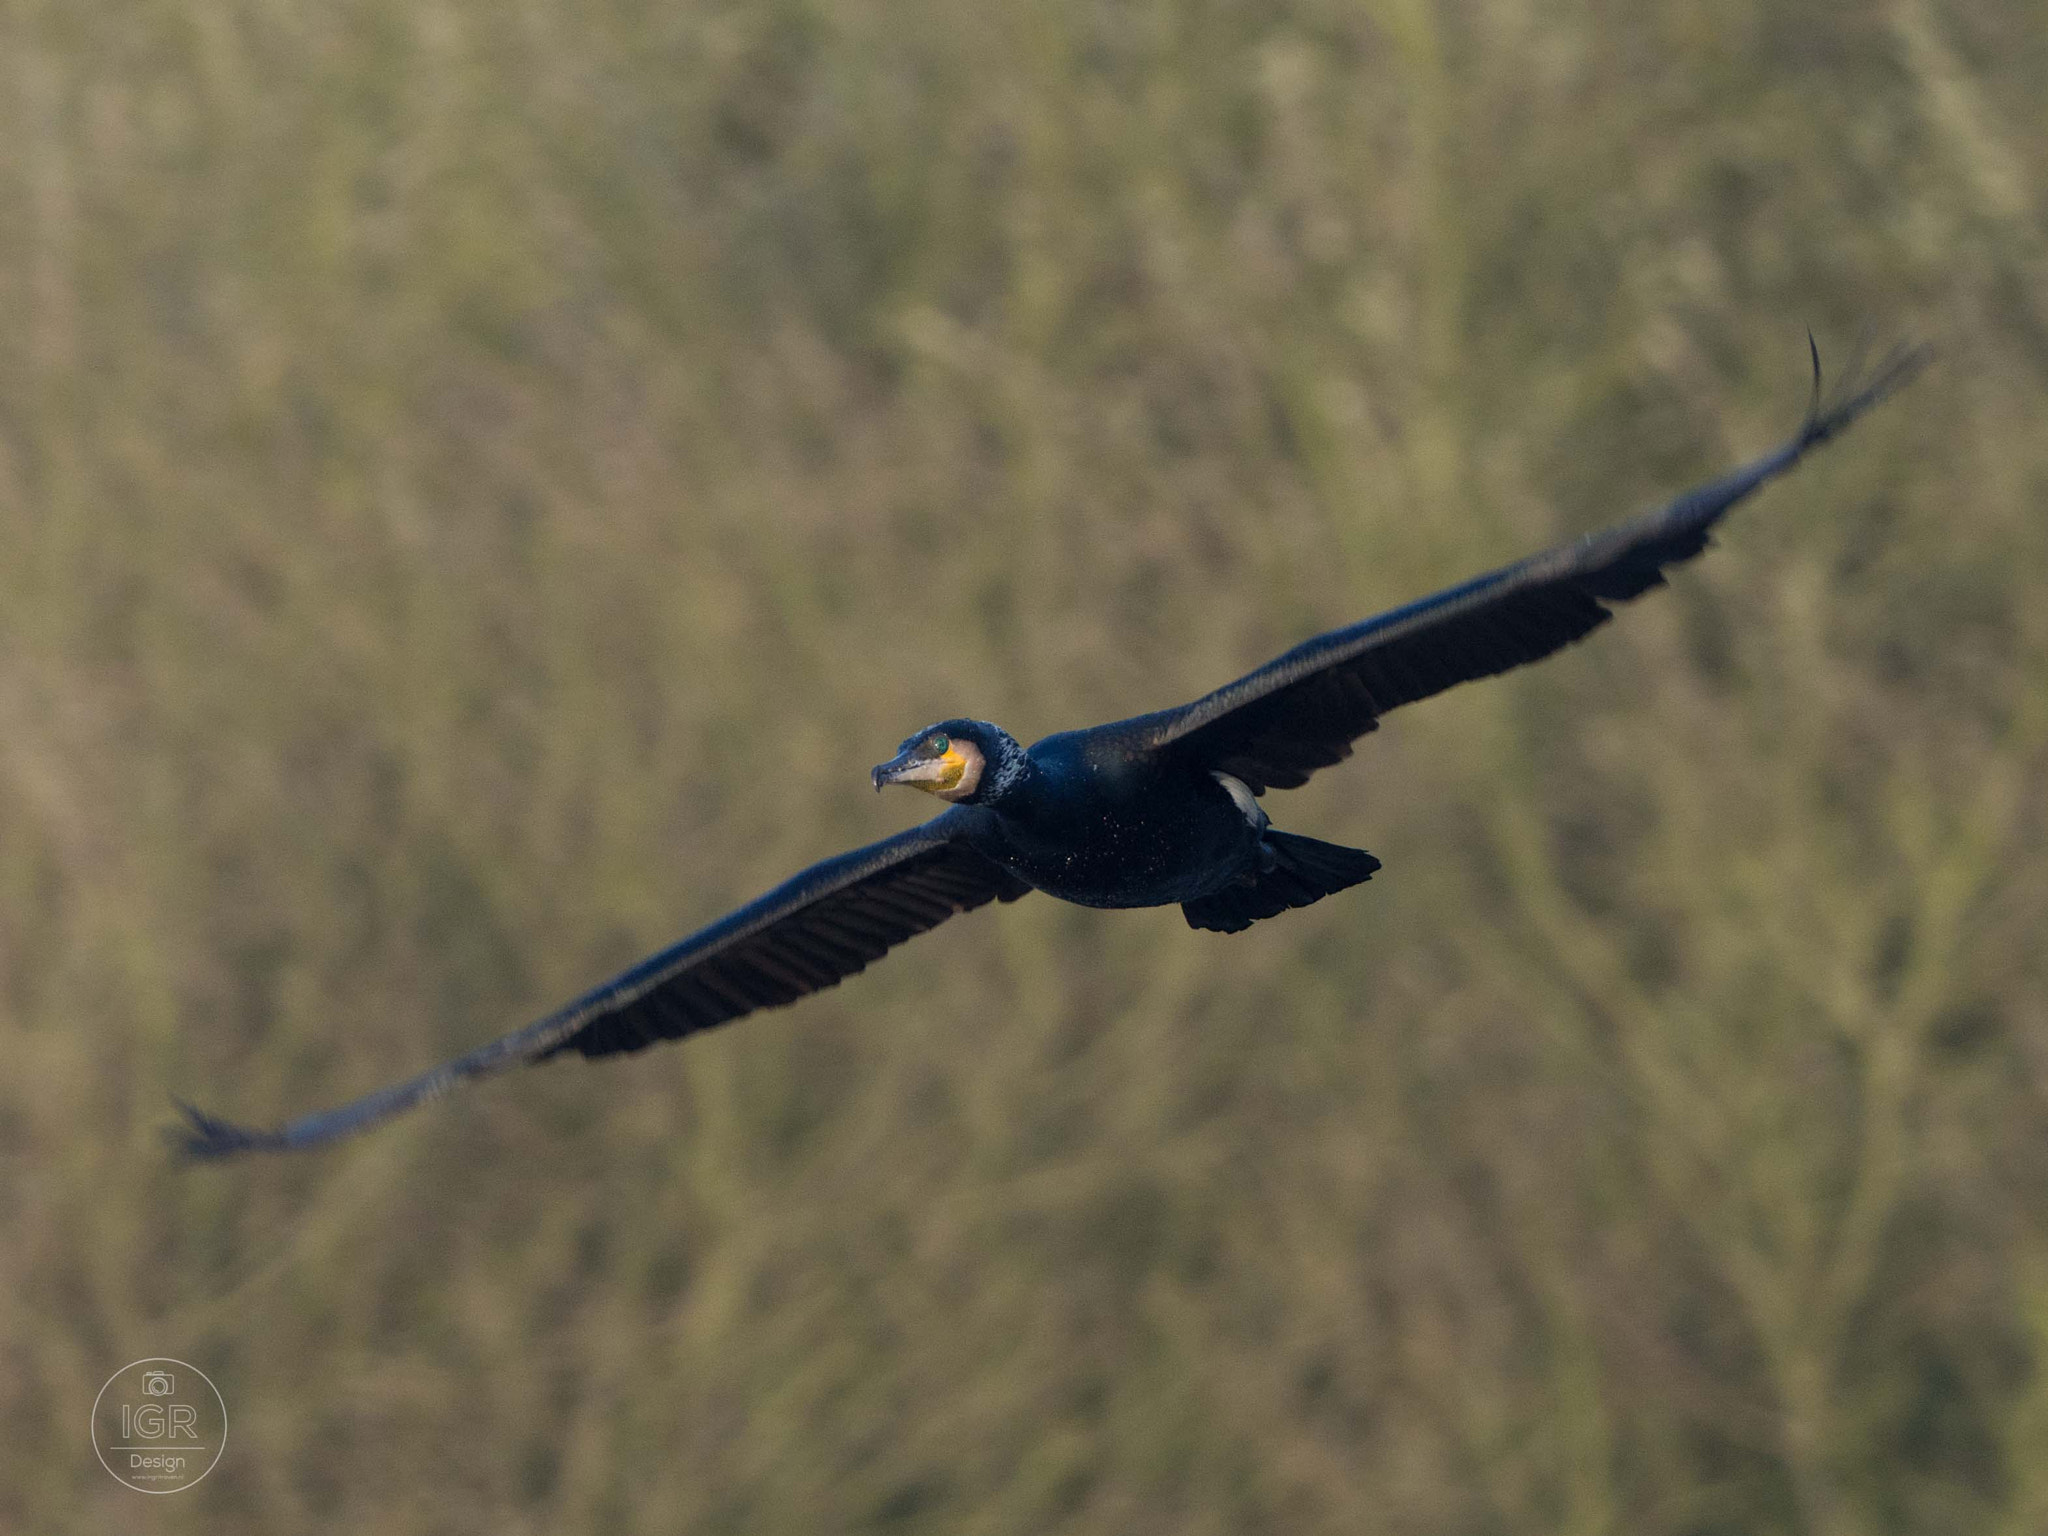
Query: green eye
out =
(940, 745)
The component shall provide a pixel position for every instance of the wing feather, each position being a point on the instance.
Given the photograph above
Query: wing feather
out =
(809, 933)
(1274, 727)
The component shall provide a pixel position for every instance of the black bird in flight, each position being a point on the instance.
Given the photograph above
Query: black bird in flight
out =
(1142, 812)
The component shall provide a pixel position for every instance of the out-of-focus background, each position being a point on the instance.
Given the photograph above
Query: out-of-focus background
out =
(479, 484)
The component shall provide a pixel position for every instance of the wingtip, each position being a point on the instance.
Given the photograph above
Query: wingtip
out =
(205, 1138)
(1859, 390)
(1813, 350)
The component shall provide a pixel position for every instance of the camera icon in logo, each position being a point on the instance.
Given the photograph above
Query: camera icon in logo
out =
(156, 1384)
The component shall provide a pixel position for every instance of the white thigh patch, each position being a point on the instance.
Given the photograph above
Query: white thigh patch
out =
(1246, 801)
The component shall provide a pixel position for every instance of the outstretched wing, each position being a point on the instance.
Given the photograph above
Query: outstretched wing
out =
(807, 934)
(1302, 711)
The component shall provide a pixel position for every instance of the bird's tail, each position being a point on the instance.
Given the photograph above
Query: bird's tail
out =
(1304, 872)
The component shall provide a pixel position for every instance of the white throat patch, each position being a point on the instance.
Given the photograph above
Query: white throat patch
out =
(971, 764)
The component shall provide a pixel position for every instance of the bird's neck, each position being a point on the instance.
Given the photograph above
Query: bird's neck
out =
(1010, 782)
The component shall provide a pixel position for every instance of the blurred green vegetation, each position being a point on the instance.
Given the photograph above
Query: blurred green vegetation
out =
(478, 486)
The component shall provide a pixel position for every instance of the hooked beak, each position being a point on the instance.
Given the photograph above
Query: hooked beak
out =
(934, 775)
(895, 770)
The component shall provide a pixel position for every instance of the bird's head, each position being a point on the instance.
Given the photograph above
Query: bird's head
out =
(965, 761)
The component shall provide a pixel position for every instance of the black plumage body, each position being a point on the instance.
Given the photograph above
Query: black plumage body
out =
(1093, 824)
(1156, 809)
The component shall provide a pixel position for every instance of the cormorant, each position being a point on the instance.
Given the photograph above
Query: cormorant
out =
(1142, 812)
